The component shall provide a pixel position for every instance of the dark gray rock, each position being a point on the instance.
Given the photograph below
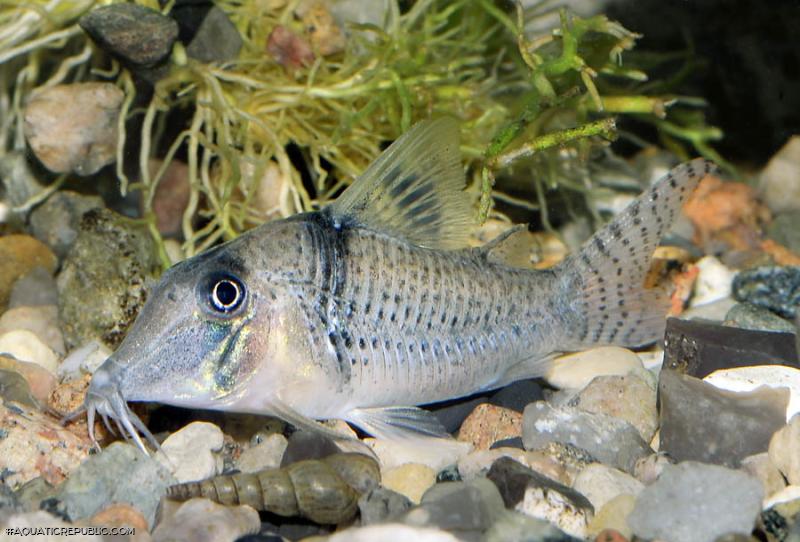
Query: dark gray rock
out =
(517, 527)
(784, 229)
(773, 288)
(34, 289)
(98, 300)
(216, 39)
(138, 35)
(701, 422)
(120, 473)
(381, 504)
(749, 316)
(466, 509)
(515, 442)
(612, 441)
(699, 348)
(512, 479)
(14, 387)
(307, 445)
(518, 395)
(56, 221)
(448, 474)
(18, 184)
(694, 502)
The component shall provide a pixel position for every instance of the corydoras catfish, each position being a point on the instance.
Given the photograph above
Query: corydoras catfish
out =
(373, 305)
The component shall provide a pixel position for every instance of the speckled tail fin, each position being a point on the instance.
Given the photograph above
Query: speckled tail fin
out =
(611, 304)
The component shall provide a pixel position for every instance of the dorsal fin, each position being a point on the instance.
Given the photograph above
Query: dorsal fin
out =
(414, 190)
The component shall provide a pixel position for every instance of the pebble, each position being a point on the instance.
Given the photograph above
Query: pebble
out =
(700, 348)
(138, 35)
(518, 527)
(478, 463)
(266, 454)
(531, 493)
(749, 316)
(436, 453)
(171, 197)
(774, 288)
(451, 414)
(25, 523)
(19, 184)
(489, 423)
(779, 182)
(760, 467)
(35, 288)
(382, 505)
(19, 255)
(122, 474)
(26, 346)
(576, 371)
(784, 230)
(41, 320)
(34, 445)
(307, 445)
(648, 469)
(215, 40)
(612, 441)
(600, 484)
(627, 397)
(751, 378)
(784, 450)
(40, 381)
(189, 453)
(73, 127)
(610, 535)
(97, 300)
(613, 515)
(201, 520)
(410, 480)
(392, 532)
(120, 515)
(713, 281)
(703, 423)
(324, 32)
(695, 502)
(83, 360)
(14, 388)
(462, 508)
(56, 221)
(289, 49)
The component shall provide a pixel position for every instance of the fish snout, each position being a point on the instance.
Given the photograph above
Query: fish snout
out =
(105, 399)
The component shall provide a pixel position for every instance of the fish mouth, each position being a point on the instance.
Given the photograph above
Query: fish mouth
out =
(105, 399)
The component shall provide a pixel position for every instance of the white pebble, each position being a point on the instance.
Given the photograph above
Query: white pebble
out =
(190, 452)
(750, 378)
(84, 360)
(435, 453)
(575, 371)
(265, 455)
(26, 346)
(713, 282)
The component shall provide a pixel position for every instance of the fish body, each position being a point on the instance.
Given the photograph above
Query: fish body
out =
(373, 305)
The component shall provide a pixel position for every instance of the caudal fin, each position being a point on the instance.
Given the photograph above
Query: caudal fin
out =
(606, 277)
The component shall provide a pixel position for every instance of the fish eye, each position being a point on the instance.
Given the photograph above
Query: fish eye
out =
(226, 293)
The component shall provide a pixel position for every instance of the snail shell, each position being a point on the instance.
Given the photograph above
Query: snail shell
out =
(324, 490)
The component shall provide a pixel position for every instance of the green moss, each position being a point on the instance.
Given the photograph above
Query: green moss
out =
(527, 102)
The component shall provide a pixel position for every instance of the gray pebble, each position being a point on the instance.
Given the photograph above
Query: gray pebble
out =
(35, 288)
(120, 473)
(749, 316)
(381, 505)
(612, 441)
(773, 288)
(695, 502)
(56, 221)
(701, 422)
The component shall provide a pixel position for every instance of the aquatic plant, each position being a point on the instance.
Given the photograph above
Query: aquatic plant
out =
(537, 103)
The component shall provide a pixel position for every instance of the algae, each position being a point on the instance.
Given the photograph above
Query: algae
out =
(534, 104)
